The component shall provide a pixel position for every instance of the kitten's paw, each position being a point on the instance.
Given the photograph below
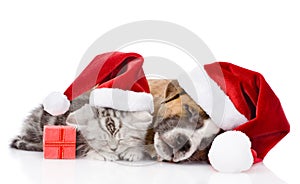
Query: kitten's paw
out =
(160, 159)
(101, 156)
(19, 143)
(132, 155)
(110, 156)
(94, 156)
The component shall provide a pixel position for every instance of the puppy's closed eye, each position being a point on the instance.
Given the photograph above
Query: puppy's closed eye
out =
(194, 116)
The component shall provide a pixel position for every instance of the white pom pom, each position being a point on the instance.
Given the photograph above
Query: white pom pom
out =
(231, 152)
(56, 103)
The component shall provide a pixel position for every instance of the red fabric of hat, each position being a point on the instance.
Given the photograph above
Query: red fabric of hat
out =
(253, 118)
(119, 80)
(254, 98)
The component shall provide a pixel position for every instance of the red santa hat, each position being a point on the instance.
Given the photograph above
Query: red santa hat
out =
(117, 81)
(253, 119)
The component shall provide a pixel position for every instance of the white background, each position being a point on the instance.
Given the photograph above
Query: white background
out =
(41, 44)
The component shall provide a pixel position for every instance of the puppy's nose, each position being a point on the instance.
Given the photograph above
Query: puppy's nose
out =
(173, 148)
(186, 147)
(181, 143)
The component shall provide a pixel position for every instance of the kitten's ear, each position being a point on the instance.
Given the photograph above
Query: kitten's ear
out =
(140, 120)
(81, 116)
(142, 116)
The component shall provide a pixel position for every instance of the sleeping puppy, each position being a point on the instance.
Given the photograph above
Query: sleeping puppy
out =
(181, 129)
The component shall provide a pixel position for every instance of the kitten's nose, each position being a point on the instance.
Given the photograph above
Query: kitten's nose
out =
(113, 149)
(113, 146)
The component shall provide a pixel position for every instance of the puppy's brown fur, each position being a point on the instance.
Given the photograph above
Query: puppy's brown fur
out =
(172, 102)
(169, 98)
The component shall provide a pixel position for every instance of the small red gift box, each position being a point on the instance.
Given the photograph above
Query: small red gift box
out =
(59, 142)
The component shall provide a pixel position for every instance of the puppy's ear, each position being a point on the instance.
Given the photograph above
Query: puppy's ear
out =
(172, 91)
(81, 116)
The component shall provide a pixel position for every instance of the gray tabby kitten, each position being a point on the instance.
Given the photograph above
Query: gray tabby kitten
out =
(112, 134)
(102, 133)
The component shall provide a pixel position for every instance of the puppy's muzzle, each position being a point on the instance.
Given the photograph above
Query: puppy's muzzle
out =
(172, 149)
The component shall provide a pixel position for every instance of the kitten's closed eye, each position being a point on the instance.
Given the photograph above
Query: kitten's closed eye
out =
(104, 137)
